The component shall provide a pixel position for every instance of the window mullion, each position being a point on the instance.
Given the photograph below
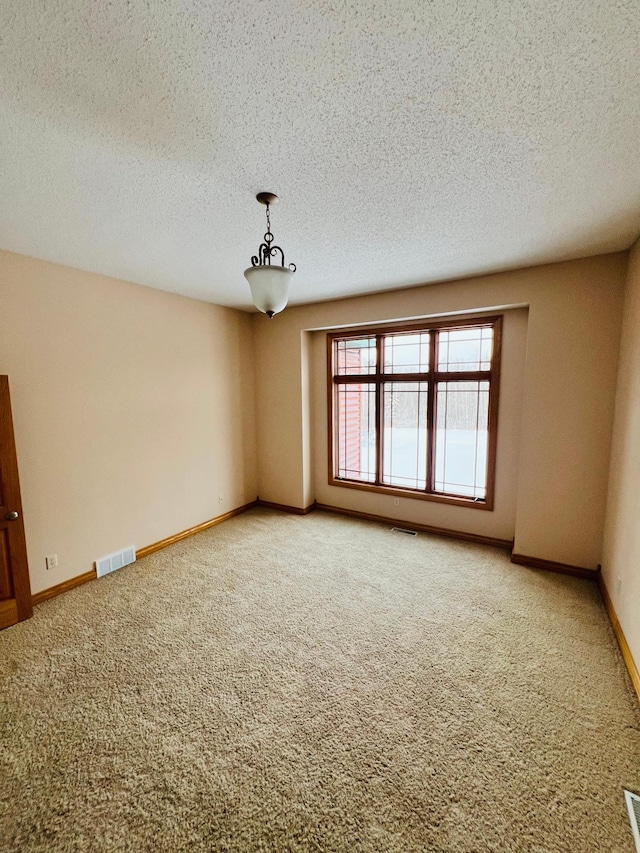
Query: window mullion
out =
(354, 379)
(463, 376)
(379, 411)
(431, 407)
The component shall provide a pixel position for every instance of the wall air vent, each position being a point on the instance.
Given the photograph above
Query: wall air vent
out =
(404, 530)
(633, 807)
(111, 562)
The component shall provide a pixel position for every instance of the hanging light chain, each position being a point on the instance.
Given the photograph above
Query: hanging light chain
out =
(268, 236)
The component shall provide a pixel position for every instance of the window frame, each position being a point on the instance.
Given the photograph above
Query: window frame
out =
(432, 377)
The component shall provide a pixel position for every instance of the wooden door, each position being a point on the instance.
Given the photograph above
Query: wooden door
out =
(15, 591)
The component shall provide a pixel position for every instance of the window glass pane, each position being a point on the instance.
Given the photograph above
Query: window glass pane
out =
(356, 432)
(406, 353)
(465, 349)
(404, 452)
(462, 438)
(356, 356)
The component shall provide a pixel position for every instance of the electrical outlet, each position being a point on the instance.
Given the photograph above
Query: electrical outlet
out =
(52, 561)
(396, 501)
(219, 499)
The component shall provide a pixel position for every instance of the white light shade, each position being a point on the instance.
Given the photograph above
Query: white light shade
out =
(269, 287)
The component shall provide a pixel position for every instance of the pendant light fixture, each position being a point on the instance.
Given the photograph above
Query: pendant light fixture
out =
(269, 282)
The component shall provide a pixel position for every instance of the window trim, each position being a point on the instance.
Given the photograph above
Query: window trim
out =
(432, 377)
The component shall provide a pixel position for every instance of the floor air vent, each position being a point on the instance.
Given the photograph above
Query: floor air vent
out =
(111, 562)
(633, 806)
(404, 530)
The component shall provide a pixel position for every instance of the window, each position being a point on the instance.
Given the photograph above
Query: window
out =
(413, 410)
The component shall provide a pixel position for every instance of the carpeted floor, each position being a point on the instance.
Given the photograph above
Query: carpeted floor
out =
(285, 683)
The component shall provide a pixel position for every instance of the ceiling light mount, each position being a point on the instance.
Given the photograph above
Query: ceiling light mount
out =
(267, 198)
(269, 282)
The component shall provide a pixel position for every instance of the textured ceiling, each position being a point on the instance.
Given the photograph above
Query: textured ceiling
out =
(410, 141)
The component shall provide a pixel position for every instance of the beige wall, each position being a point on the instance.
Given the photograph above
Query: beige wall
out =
(568, 397)
(133, 411)
(621, 557)
(499, 524)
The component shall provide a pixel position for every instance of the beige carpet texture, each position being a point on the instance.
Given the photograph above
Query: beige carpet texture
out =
(318, 683)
